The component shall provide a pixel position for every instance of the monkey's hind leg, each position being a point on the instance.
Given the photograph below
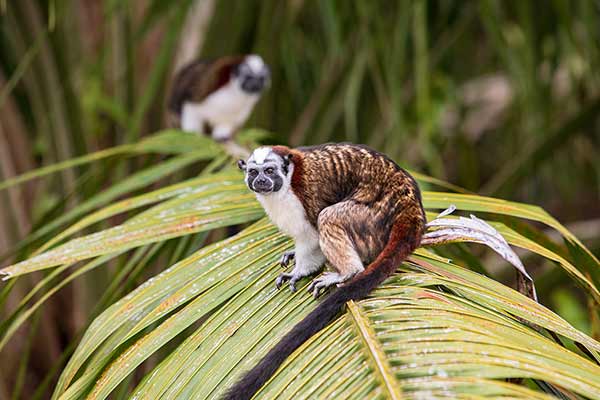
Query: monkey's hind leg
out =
(337, 246)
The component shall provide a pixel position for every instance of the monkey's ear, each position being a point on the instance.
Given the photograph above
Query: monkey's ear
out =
(287, 158)
(242, 165)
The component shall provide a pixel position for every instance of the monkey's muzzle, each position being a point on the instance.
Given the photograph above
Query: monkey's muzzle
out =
(254, 84)
(262, 185)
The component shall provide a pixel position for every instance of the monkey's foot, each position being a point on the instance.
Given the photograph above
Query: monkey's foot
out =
(326, 280)
(293, 278)
(286, 258)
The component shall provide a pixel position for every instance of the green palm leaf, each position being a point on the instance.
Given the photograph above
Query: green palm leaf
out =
(204, 205)
(166, 142)
(435, 329)
(420, 324)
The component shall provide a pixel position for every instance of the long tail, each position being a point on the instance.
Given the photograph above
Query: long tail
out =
(405, 237)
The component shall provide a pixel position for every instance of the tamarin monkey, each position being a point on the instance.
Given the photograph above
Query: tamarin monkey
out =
(342, 203)
(216, 97)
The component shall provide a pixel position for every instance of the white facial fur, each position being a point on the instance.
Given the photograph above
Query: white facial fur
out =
(259, 155)
(266, 171)
(255, 62)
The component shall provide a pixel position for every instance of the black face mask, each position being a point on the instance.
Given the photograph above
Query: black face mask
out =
(261, 183)
(253, 84)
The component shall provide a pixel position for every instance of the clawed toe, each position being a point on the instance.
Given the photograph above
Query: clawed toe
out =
(324, 282)
(282, 278)
(286, 258)
(317, 285)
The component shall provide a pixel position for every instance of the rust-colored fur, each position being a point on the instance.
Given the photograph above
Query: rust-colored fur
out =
(368, 189)
(188, 86)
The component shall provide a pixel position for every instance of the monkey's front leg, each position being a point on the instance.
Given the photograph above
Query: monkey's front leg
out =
(309, 259)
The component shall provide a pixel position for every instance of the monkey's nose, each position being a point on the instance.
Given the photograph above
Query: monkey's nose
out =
(253, 85)
(262, 185)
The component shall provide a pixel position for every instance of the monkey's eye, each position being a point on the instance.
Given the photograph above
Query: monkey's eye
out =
(269, 171)
(252, 172)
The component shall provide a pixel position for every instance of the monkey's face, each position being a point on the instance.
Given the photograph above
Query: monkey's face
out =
(252, 74)
(266, 172)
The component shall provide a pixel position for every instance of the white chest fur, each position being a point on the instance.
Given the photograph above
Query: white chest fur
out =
(229, 106)
(286, 211)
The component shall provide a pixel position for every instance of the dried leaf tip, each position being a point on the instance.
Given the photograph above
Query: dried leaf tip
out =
(446, 230)
(447, 211)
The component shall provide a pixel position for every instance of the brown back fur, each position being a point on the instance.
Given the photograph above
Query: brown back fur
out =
(332, 173)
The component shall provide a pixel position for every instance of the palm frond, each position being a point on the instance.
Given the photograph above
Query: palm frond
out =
(434, 328)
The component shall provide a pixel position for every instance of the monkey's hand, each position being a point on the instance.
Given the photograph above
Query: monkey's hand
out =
(293, 278)
(286, 258)
(307, 263)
